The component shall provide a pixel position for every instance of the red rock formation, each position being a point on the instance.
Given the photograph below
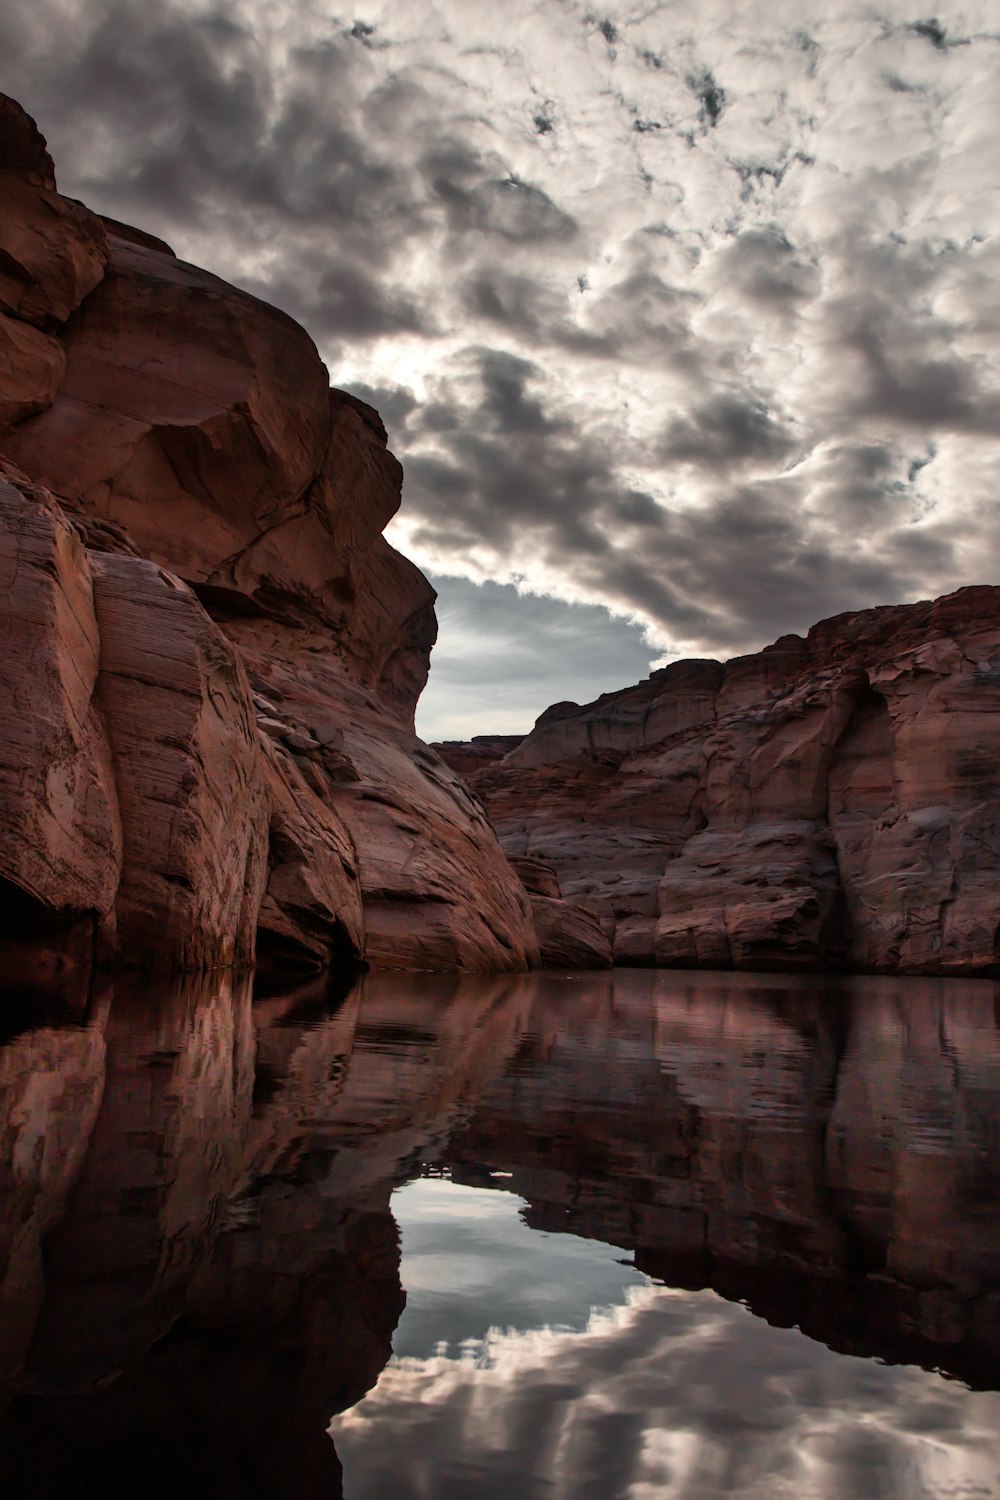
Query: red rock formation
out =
(187, 769)
(569, 936)
(52, 250)
(60, 859)
(830, 800)
(200, 504)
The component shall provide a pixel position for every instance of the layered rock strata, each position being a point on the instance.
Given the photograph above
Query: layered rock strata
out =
(831, 800)
(212, 655)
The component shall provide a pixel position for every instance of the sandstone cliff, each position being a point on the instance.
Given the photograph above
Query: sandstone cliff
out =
(829, 800)
(211, 656)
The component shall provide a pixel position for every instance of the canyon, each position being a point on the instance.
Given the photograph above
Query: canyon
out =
(211, 658)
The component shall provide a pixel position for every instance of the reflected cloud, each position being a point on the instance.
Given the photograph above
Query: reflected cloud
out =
(677, 1396)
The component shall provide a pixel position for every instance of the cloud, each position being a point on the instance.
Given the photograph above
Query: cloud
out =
(683, 314)
(503, 656)
(725, 433)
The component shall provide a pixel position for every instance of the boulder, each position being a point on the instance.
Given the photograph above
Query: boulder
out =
(569, 936)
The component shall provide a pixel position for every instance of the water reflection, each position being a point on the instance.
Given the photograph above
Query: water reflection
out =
(199, 1265)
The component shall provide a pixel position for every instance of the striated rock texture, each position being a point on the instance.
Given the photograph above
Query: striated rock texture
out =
(833, 800)
(211, 656)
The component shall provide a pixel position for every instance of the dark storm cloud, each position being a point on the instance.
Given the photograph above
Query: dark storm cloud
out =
(395, 403)
(766, 268)
(506, 206)
(514, 301)
(194, 131)
(726, 432)
(711, 98)
(921, 388)
(510, 473)
(344, 302)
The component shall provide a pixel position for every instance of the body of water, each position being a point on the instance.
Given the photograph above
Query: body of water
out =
(637, 1235)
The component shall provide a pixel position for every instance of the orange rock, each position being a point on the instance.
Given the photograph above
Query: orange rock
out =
(190, 412)
(311, 913)
(188, 769)
(52, 250)
(61, 850)
(32, 364)
(569, 936)
(436, 889)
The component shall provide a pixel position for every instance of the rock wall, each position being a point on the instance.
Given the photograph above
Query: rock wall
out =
(832, 800)
(211, 654)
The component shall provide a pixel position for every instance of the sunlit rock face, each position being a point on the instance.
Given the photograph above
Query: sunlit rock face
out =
(831, 800)
(213, 654)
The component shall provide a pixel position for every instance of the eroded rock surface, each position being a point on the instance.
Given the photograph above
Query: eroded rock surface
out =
(191, 526)
(61, 853)
(569, 936)
(830, 800)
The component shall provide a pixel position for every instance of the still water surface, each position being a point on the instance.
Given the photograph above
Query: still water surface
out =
(630, 1235)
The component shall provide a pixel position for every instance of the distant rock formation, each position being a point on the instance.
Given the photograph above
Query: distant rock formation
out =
(210, 654)
(833, 800)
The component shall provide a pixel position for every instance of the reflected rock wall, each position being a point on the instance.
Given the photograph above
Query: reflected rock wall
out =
(200, 1265)
(219, 1271)
(831, 1159)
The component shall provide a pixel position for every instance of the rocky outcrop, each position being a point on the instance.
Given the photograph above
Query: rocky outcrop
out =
(187, 770)
(52, 249)
(212, 655)
(569, 936)
(61, 858)
(832, 800)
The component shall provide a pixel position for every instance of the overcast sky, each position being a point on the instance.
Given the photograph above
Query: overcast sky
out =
(684, 312)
